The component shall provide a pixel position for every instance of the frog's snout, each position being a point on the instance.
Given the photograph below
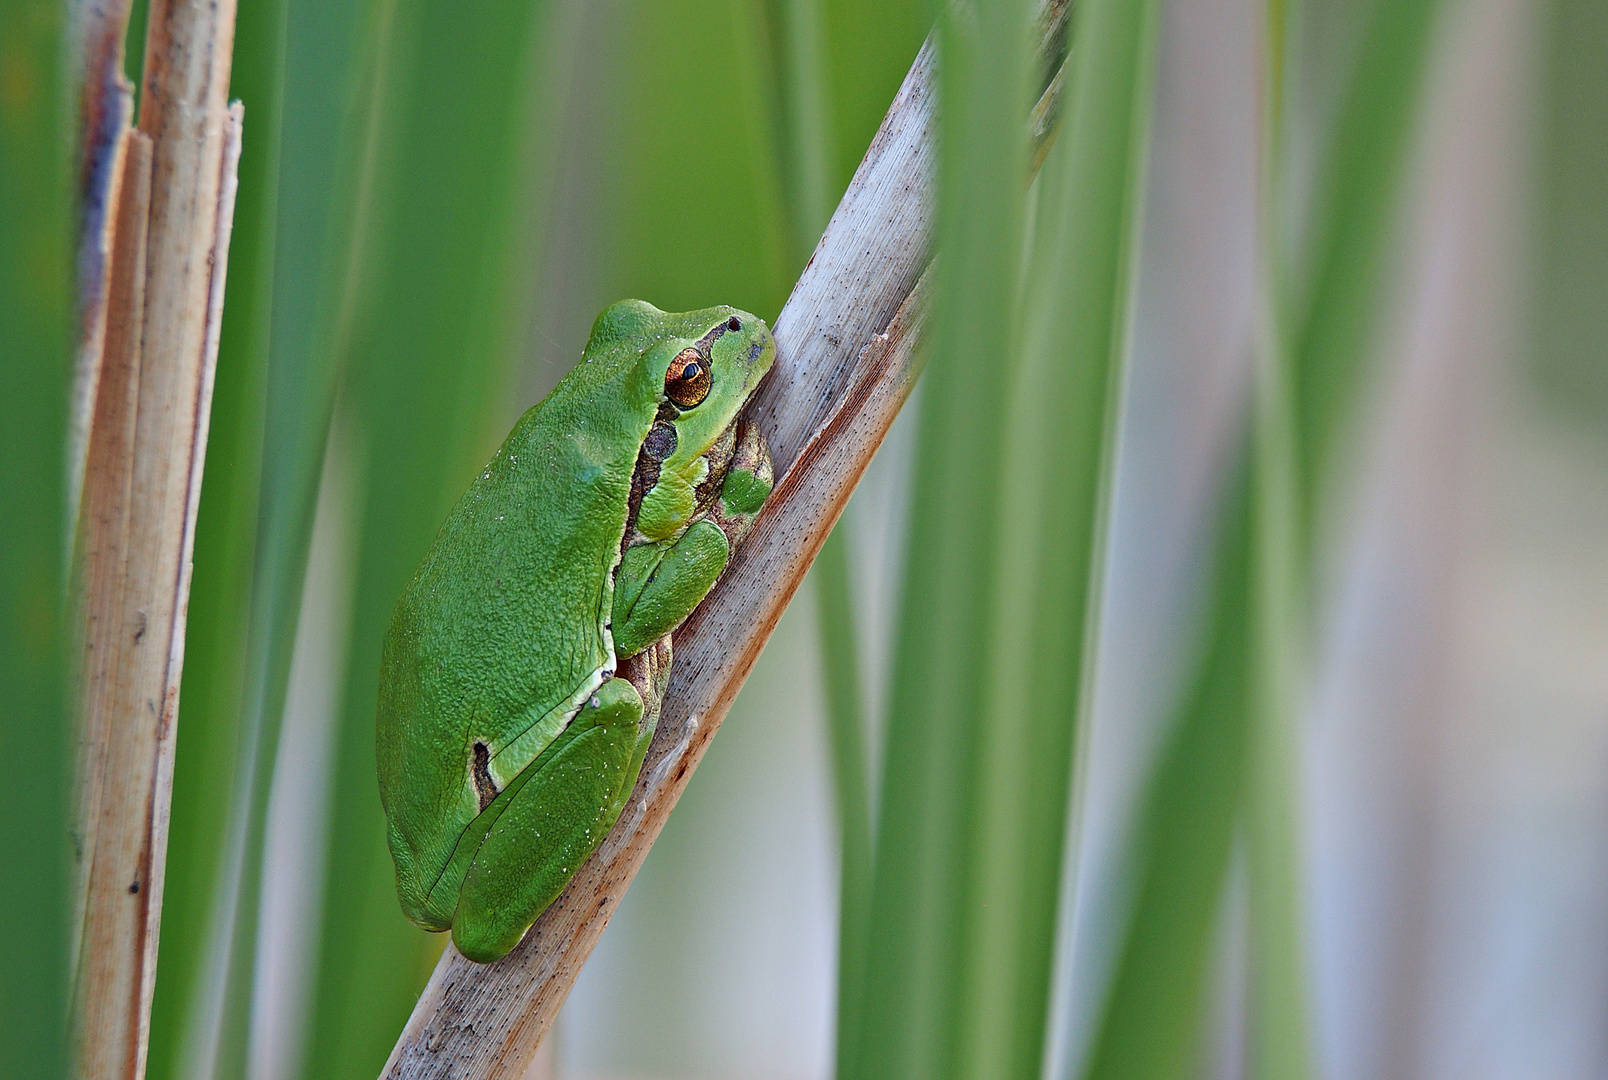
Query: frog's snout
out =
(746, 341)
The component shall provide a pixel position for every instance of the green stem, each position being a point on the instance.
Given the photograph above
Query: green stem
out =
(37, 183)
(1152, 1025)
(1280, 1037)
(922, 917)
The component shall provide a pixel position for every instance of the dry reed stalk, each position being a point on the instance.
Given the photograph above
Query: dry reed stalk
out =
(167, 261)
(103, 527)
(848, 346)
(486, 1021)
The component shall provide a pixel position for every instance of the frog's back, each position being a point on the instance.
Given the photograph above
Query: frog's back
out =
(505, 620)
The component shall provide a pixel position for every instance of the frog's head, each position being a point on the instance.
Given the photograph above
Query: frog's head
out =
(698, 364)
(700, 368)
(711, 362)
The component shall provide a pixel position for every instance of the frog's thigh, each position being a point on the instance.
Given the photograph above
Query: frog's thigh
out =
(551, 825)
(678, 584)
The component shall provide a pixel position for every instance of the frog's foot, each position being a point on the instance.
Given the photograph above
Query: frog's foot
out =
(648, 671)
(749, 479)
(565, 803)
(658, 585)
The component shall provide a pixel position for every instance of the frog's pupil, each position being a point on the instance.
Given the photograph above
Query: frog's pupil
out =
(691, 372)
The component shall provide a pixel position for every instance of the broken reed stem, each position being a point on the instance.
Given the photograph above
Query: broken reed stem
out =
(105, 107)
(173, 207)
(848, 348)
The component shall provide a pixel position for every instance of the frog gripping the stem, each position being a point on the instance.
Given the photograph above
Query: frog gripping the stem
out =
(523, 668)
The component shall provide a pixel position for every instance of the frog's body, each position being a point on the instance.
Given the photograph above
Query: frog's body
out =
(523, 666)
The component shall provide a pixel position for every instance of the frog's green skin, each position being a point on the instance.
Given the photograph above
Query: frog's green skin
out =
(522, 670)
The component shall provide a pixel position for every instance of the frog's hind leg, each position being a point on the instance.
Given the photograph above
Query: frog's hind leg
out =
(561, 813)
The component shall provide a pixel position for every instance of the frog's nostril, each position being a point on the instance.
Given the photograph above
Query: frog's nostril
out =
(734, 324)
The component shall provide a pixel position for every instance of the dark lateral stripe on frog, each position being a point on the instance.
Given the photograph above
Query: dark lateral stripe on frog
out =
(707, 342)
(718, 457)
(485, 786)
(646, 473)
(650, 456)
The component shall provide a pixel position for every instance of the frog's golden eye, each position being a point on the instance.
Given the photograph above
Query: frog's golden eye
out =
(687, 381)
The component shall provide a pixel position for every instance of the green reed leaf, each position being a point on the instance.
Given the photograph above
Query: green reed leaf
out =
(919, 910)
(1059, 439)
(427, 351)
(36, 241)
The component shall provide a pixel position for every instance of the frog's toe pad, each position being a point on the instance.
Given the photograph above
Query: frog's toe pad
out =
(748, 484)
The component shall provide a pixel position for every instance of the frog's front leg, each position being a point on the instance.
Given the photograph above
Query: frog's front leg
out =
(658, 585)
(749, 478)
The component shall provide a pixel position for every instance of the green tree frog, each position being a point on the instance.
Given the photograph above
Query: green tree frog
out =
(523, 668)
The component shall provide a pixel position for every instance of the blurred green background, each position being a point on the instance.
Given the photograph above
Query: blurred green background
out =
(1208, 678)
